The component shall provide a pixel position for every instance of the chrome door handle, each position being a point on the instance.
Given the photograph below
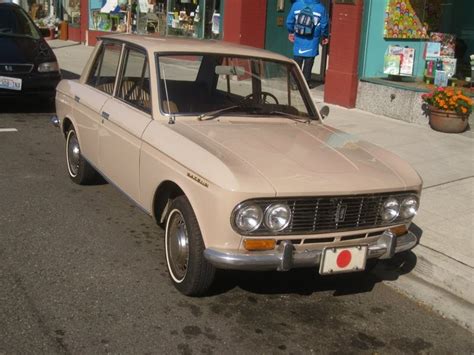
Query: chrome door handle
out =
(105, 115)
(77, 98)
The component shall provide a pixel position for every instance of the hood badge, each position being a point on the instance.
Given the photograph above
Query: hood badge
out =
(8, 68)
(341, 213)
(198, 179)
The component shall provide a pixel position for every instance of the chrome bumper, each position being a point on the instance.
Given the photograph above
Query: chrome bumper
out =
(285, 257)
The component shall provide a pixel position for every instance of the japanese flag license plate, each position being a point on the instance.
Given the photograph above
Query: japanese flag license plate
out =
(343, 259)
(10, 83)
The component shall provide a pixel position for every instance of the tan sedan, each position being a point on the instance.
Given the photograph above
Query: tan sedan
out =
(224, 147)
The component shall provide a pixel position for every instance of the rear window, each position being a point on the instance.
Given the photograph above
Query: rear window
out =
(15, 22)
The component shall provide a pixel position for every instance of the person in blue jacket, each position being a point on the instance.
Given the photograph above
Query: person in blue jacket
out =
(306, 46)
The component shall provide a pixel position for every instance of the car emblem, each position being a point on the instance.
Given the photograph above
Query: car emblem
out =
(341, 213)
(8, 68)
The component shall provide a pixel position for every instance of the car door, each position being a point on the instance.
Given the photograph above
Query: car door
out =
(124, 118)
(91, 97)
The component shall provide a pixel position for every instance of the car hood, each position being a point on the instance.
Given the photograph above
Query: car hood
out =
(23, 50)
(298, 158)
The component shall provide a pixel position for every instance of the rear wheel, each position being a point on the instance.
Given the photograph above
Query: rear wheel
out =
(190, 272)
(79, 170)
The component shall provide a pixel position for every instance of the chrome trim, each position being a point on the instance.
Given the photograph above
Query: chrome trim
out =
(28, 68)
(285, 257)
(314, 215)
(55, 121)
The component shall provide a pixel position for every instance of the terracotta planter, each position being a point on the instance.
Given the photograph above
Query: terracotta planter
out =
(447, 121)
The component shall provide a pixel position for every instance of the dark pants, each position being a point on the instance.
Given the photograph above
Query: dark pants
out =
(306, 65)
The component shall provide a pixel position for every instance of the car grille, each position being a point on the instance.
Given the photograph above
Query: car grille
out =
(312, 215)
(6, 68)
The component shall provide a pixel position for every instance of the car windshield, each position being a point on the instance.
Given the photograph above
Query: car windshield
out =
(15, 22)
(215, 84)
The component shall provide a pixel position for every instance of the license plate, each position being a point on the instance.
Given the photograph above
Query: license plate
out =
(10, 83)
(343, 259)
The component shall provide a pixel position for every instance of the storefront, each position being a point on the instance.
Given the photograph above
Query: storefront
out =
(386, 53)
(183, 18)
(412, 43)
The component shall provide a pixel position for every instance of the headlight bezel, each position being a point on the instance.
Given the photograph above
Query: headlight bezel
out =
(266, 218)
(415, 206)
(400, 200)
(239, 209)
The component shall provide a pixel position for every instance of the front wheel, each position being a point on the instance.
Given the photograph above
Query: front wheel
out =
(190, 272)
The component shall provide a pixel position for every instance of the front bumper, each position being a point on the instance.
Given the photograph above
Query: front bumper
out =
(285, 257)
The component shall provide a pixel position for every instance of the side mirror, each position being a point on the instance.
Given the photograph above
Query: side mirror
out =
(324, 112)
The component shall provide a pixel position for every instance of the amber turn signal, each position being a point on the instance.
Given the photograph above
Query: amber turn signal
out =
(399, 230)
(259, 244)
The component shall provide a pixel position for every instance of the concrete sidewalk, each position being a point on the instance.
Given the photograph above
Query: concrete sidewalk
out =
(442, 274)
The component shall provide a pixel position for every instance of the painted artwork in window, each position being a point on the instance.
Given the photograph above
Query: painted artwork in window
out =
(406, 19)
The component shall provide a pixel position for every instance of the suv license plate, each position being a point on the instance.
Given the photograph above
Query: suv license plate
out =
(10, 83)
(343, 259)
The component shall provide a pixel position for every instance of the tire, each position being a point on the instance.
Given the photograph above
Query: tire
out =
(79, 170)
(189, 271)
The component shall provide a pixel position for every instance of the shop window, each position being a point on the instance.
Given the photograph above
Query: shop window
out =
(194, 18)
(72, 12)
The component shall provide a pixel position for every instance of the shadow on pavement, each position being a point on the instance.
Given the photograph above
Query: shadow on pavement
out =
(298, 281)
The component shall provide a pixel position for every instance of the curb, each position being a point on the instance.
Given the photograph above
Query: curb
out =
(439, 282)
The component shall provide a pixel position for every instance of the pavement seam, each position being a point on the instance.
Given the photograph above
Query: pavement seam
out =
(449, 257)
(448, 182)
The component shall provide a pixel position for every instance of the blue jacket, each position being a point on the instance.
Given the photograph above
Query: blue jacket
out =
(308, 46)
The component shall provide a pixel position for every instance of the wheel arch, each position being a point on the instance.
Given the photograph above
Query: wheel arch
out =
(164, 193)
(67, 124)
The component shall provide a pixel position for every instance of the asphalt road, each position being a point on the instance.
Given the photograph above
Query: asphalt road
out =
(82, 271)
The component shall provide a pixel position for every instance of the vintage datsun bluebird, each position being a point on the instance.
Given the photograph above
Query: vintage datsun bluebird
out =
(224, 147)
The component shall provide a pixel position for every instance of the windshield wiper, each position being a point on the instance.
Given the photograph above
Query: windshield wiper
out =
(213, 114)
(290, 116)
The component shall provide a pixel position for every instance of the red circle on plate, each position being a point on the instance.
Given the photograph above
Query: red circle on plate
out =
(344, 258)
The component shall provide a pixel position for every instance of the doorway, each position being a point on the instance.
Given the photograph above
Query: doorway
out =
(276, 35)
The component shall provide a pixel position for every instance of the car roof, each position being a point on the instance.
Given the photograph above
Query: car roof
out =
(186, 45)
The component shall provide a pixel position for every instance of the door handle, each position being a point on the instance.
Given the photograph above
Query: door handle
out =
(105, 115)
(77, 98)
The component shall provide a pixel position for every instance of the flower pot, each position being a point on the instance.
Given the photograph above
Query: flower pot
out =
(447, 121)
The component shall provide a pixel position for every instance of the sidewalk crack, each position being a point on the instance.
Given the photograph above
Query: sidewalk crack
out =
(448, 182)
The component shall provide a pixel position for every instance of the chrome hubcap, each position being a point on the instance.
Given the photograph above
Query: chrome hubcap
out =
(177, 246)
(73, 153)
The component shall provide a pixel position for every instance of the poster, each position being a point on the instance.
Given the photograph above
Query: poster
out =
(403, 21)
(407, 61)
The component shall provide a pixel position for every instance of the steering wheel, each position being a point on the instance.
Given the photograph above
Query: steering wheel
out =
(263, 95)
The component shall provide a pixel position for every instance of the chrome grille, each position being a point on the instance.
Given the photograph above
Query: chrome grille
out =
(313, 215)
(6, 68)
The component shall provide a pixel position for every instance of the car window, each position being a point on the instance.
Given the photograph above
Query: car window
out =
(15, 22)
(191, 84)
(104, 70)
(134, 86)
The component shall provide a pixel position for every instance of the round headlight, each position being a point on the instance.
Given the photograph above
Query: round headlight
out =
(390, 209)
(409, 207)
(277, 217)
(248, 218)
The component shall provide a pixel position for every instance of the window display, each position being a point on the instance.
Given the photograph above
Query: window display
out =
(72, 12)
(109, 15)
(194, 18)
